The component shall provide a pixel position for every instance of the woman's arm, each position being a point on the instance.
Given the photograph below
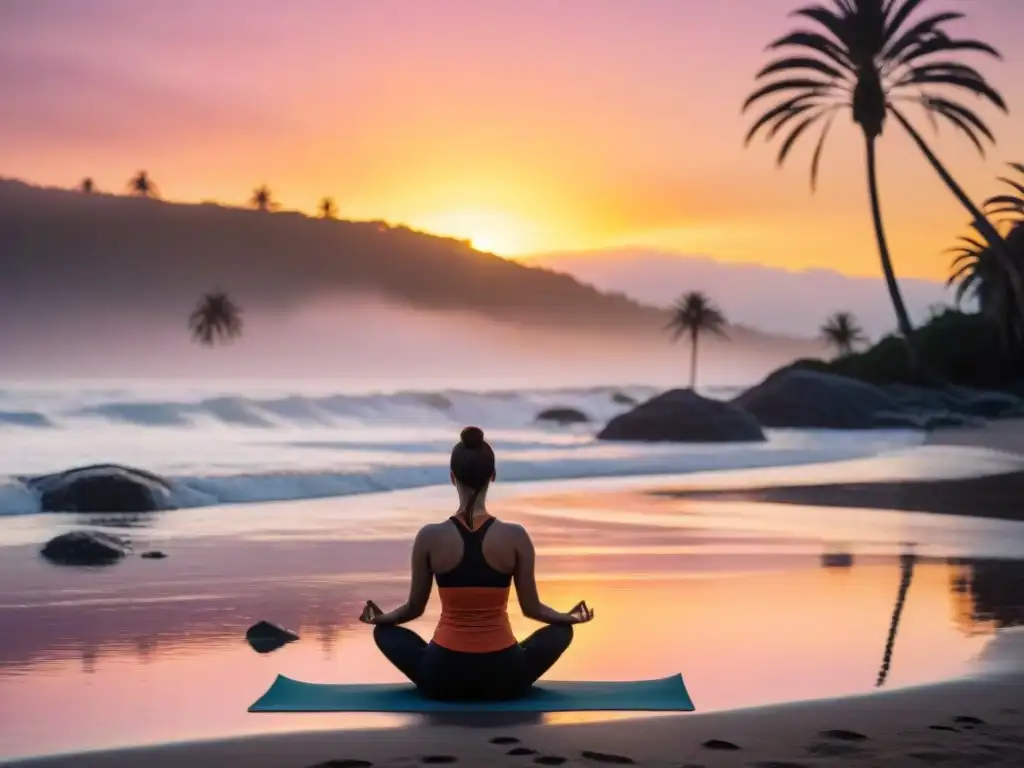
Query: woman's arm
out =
(419, 589)
(526, 584)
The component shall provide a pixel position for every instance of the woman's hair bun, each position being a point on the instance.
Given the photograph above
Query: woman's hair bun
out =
(472, 437)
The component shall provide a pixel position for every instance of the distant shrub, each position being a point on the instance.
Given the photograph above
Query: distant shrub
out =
(958, 347)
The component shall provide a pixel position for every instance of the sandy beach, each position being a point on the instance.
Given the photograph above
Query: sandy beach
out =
(992, 495)
(961, 723)
(791, 659)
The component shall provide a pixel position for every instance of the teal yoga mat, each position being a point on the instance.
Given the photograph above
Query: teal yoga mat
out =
(666, 695)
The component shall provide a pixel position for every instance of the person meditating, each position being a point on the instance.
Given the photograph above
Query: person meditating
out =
(474, 557)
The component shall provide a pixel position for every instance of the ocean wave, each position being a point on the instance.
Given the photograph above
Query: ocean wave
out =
(498, 408)
(424, 463)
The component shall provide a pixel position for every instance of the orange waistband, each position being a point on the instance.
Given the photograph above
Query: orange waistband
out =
(474, 619)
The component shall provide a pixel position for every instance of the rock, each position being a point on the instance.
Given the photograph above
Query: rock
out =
(897, 420)
(563, 416)
(796, 398)
(987, 404)
(265, 637)
(101, 488)
(966, 401)
(154, 554)
(621, 398)
(926, 420)
(681, 415)
(85, 548)
(837, 560)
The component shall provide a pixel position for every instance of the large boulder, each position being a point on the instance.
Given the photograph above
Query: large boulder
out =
(84, 548)
(683, 416)
(101, 488)
(792, 397)
(563, 416)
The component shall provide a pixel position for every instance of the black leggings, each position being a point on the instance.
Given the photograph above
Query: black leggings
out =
(444, 674)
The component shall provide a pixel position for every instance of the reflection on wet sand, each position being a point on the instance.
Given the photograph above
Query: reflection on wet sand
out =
(752, 604)
(170, 658)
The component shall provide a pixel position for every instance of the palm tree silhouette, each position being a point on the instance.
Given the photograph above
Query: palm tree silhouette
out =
(215, 318)
(907, 560)
(327, 208)
(87, 185)
(978, 272)
(262, 198)
(141, 185)
(842, 332)
(862, 57)
(692, 315)
(1010, 205)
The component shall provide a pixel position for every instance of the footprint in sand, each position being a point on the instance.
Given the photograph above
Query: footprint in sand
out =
(840, 734)
(601, 757)
(521, 751)
(550, 760)
(832, 749)
(968, 720)
(504, 740)
(720, 744)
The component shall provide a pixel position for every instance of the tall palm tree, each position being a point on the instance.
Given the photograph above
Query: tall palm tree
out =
(87, 185)
(262, 198)
(692, 315)
(141, 185)
(216, 318)
(861, 57)
(907, 561)
(328, 209)
(842, 332)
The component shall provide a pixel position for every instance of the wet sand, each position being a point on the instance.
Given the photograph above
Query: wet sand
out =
(961, 723)
(993, 496)
(151, 651)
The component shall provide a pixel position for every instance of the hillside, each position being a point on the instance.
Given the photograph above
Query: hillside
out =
(749, 293)
(85, 249)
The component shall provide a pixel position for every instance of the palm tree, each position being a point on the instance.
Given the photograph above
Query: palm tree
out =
(980, 274)
(907, 560)
(1009, 205)
(87, 185)
(215, 318)
(262, 198)
(692, 315)
(328, 209)
(862, 57)
(141, 185)
(843, 332)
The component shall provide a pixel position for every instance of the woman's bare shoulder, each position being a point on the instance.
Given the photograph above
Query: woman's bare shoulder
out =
(512, 530)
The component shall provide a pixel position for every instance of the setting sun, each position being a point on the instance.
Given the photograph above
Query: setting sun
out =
(490, 231)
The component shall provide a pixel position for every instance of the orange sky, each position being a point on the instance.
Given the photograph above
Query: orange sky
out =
(526, 126)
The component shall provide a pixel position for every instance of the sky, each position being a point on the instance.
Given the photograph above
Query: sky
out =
(525, 125)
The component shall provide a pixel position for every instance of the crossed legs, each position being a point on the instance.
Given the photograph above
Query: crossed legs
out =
(407, 650)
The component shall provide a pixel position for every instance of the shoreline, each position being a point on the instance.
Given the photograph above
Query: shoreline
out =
(961, 722)
(991, 495)
(994, 497)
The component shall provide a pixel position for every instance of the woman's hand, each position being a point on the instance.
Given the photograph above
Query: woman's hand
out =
(371, 613)
(581, 613)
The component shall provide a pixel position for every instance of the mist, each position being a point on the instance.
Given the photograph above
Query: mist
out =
(362, 342)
